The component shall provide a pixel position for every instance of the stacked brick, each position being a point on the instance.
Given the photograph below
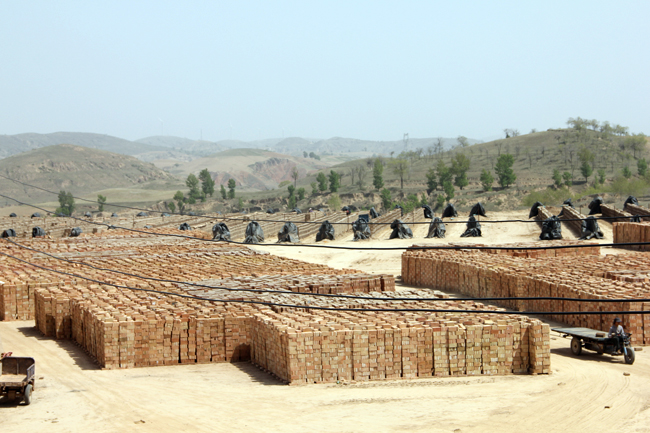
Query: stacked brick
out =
(638, 210)
(123, 328)
(611, 212)
(570, 217)
(626, 232)
(579, 273)
(304, 348)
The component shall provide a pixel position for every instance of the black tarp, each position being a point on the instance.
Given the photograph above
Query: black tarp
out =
(12, 215)
(191, 213)
(254, 233)
(289, 233)
(296, 210)
(9, 233)
(473, 228)
(142, 214)
(400, 230)
(184, 226)
(361, 229)
(477, 209)
(148, 226)
(631, 200)
(75, 232)
(428, 212)
(36, 215)
(220, 232)
(594, 206)
(346, 209)
(373, 213)
(400, 208)
(533, 210)
(551, 229)
(164, 214)
(270, 211)
(326, 231)
(568, 202)
(436, 228)
(59, 214)
(114, 215)
(590, 229)
(37, 231)
(88, 215)
(449, 212)
(365, 217)
(112, 228)
(636, 219)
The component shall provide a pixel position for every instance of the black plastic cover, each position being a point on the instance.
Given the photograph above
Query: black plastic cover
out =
(590, 229)
(373, 213)
(473, 228)
(114, 215)
(147, 227)
(436, 228)
(533, 210)
(36, 215)
(346, 209)
(12, 215)
(270, 211)
(9, 233)
(477, 209)
(449, 212)
(289, 233)
(220, 232)
(361, 229)
(551, 229)
(400, 230)
(631, 200)
(254, 233)
(568, 202)
(184, 226)
(142, 214)
(75, 232)
(88, 215)
(400, 208)
(191, 213)
(164, 214)
(428, 212)
(296, 210)
(636, 219)
(594, 206)
(326, 231)
(37, 231)
(365, 217)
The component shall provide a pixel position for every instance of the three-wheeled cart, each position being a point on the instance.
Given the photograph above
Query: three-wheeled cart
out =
(17, 378)
(599, 342)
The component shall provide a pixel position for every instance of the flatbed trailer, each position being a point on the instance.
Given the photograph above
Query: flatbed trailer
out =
(598, 341)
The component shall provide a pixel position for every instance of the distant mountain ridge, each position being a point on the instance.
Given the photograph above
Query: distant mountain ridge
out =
(73, 168)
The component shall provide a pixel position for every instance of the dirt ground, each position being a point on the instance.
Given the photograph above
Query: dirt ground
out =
(583, 394)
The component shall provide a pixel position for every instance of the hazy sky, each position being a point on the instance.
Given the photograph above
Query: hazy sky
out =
(371, 70)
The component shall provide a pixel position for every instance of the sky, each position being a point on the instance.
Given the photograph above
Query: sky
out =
(369, 70)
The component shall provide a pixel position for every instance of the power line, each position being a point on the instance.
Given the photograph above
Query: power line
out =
(327, 295)
(313, 307)
(226, 218)
(339, 247)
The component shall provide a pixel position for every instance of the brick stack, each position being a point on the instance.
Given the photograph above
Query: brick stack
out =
(572, 273)
(638, 210)
(570, 217)
(612, 212)
(626, 232)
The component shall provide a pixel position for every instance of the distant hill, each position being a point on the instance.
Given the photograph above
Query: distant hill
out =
(252, 169)
(74, 168)
(14, 144)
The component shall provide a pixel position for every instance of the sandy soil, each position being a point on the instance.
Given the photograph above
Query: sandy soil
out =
(585, 394)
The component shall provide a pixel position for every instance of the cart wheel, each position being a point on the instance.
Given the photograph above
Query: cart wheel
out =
(27, 394)
(629, 358)
(576, 346)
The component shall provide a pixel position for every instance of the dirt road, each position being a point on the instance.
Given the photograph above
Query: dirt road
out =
(585, 394)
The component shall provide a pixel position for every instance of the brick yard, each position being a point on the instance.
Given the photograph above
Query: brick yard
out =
(89, 325)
